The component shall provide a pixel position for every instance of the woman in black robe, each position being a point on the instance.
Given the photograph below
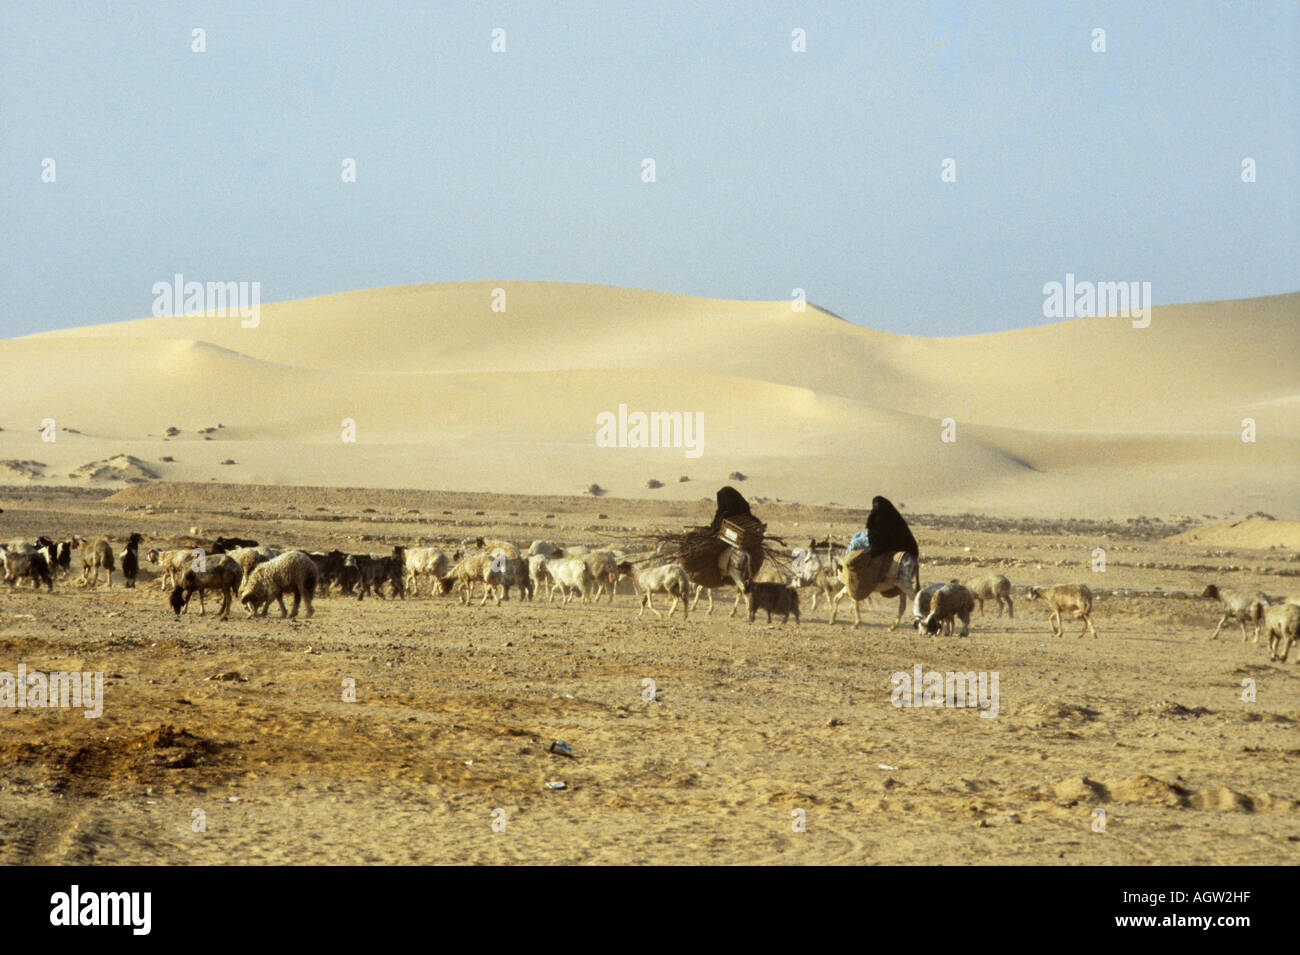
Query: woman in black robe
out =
(888, 532)
(730, 504)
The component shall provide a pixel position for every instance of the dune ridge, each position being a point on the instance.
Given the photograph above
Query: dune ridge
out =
(444, 392)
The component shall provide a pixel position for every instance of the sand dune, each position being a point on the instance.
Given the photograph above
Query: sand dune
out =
(1252, 533)
(445, 393)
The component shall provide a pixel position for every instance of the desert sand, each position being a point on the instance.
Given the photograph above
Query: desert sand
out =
(1071, 439)
(1084, 417)
(752, 727)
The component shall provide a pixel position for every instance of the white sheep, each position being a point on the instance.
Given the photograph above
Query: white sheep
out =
(472, 569)
(293, 572)
(992, 587)
(246, 557)
(1237, 606)
(665, 579)
(1074, 599)
(538, 574)
(545, 548)
(570, 573)
(428, 562)
(1282, 625)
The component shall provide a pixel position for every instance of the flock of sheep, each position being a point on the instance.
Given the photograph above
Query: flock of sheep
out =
(256, 576)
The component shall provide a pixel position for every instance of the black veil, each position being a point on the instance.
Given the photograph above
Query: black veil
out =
(888, 532)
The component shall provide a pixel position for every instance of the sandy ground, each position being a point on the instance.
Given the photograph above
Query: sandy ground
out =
(456, 707)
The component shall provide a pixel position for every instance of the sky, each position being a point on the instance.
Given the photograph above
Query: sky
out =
(774, 169)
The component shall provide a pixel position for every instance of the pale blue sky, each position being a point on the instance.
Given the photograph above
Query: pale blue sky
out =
(819, 170)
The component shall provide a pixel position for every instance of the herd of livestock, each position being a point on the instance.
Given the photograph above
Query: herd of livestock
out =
(258, 575)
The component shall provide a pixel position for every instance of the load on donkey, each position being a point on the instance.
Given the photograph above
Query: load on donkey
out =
(888, 565)
(729, 550)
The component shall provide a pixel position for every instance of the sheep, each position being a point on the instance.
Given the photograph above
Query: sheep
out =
(498, 574)
(570, 572)
(921, 603)
(773, 598)
(97, 555)
(130, 560)
(665, 579)
(32, 565)
(949, 601)
(1074, 599)
(576, 550)
(890, 575)
(291, 573)
(537, 572)
(249, 557)
(1237, 606)
(545, 548)
(1281, 623)
(511, 550)
(217, 572)
(171, 564)
(470, 570)
(603, 565)
(428, 562)
(992, 587)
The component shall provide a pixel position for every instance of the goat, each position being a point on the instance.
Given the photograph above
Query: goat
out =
(1074, 599)
(218, 572)
(130, 560)
(773, 598)
(97, 555)
(32, 565)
